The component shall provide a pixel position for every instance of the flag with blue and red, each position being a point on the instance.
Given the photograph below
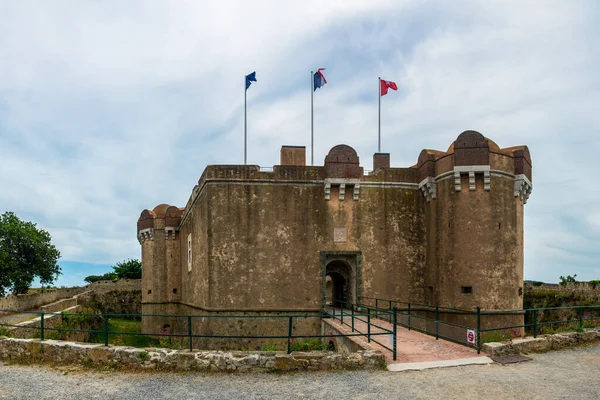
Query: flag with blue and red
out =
(319, 79)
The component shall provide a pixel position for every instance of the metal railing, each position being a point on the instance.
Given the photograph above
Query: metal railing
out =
(352, 315)
(478, 326)
(42, 329)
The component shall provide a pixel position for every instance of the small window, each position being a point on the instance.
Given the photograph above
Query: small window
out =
(174, 290)
(520, 291)
(189, 252)
(149, 291)
(466, 289)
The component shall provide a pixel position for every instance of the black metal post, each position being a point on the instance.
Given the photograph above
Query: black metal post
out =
(376, 308)
(368, 325)
(105, 329)
(352, 317)
(390, 308)
(342, 314)
(580, 318)
(437, 323)
(289, 335)
(42, 327)
(395, 319)
(535, 327)
(190, 331)
(409, 316)
(478, 330)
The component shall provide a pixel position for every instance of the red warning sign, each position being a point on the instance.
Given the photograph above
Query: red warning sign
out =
(470, 336)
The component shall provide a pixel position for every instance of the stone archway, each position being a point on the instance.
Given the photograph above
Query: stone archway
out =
(339, 273)
(341, 278)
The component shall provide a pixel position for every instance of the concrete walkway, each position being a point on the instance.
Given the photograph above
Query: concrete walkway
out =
(14, 319)
(414, 350)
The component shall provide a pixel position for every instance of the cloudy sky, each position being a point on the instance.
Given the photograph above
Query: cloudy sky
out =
(110, 107)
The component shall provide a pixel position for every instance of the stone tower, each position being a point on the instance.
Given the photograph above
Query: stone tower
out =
(475, 194)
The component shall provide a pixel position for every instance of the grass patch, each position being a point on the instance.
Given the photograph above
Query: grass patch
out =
(118, 339)
(312, 344)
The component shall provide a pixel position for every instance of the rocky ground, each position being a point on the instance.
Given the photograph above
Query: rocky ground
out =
(566, 374)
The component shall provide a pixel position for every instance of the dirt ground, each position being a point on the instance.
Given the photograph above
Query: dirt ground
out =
(567, 374)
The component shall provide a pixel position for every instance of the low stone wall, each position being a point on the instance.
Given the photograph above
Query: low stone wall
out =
(26, 302)
(121, 284)
(60, 305)
(31, 328)
(342, 344)
(130, 358)
(121, 301)
(569, 287)
(542, 343)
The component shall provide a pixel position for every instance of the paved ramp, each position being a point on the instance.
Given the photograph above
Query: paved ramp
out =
(413, 347)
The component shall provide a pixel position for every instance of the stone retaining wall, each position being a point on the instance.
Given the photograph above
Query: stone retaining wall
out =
(129, 358)
(344, 344)
(121, 284)
(542, 343)
(569, 287)
(60, 305)
(31, 328)
(26, 302)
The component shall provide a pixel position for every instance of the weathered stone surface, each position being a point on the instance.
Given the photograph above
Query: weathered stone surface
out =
(70, 353)
(542, 343)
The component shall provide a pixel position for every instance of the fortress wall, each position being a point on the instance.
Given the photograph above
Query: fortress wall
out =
(195, 283)
(264, 246)
(391, 235)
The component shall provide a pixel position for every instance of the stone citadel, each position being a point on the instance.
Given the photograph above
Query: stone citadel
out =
(447, 231)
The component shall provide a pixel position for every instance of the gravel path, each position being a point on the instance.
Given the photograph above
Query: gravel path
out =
(567, 374)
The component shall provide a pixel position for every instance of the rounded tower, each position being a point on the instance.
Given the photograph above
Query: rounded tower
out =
(475, 194)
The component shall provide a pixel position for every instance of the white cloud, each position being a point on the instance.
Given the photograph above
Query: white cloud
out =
(107, 108)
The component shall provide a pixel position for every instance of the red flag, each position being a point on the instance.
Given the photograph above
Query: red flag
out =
(385, 85)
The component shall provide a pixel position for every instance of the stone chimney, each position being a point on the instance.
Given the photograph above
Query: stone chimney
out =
(293, 155)
(381, 160)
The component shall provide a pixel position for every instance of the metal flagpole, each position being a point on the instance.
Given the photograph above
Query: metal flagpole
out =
(312, 125)
(379, 121)
(245, 123)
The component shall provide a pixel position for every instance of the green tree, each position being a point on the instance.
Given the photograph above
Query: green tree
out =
(130, 269)
(109, 276)
(26, 252)
(567, 279)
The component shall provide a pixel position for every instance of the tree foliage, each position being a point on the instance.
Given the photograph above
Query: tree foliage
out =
(129, 269)
(26, 252)
(567, 279)
(109, 276)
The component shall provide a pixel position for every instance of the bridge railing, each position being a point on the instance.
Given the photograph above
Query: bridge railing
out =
(474, 327)
(350, 313)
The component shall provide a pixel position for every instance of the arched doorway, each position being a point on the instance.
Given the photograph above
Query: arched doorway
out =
(339, 276)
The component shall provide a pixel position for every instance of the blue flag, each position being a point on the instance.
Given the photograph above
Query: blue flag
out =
(250, 78)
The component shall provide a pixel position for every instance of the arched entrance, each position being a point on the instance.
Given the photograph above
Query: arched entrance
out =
(339, 275)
